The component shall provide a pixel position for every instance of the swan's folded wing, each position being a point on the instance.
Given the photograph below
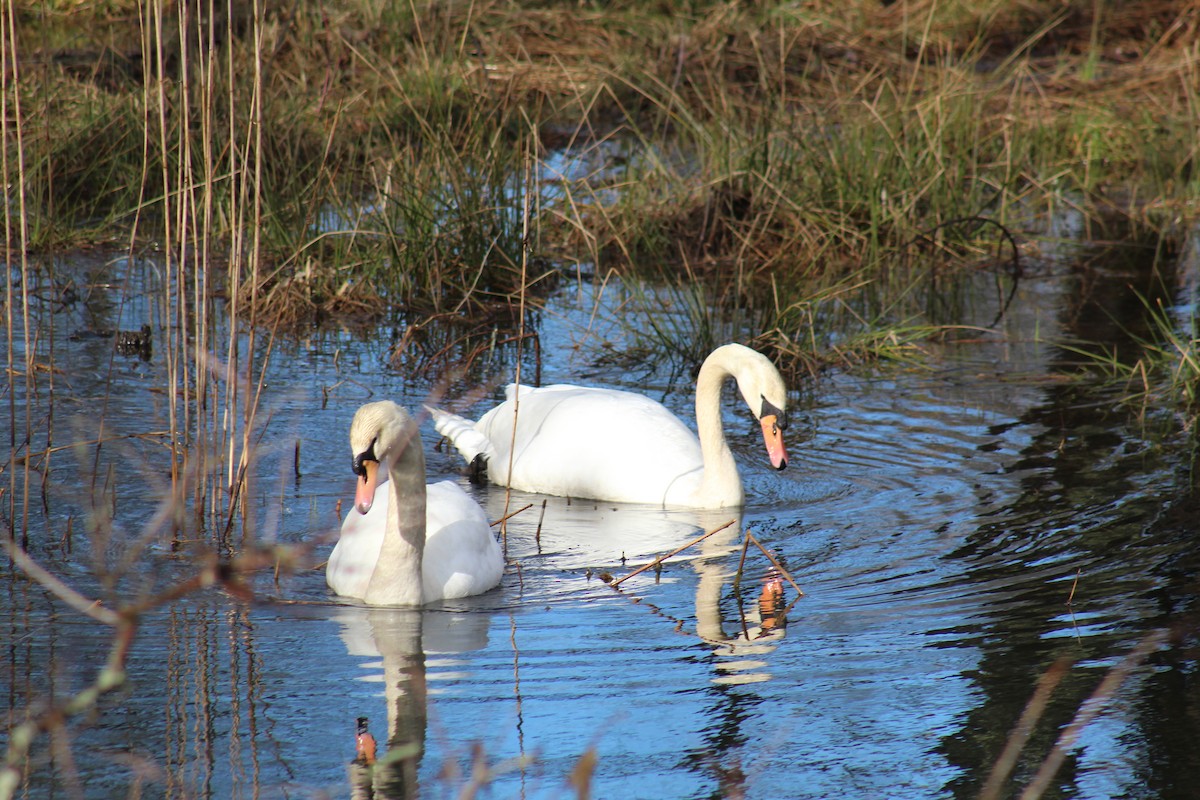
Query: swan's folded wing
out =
(462, 557)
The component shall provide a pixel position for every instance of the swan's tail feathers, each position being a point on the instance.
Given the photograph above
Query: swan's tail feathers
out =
(512, 389)
(473, 445)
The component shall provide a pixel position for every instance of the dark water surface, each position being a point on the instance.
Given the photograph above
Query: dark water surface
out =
(957, 529)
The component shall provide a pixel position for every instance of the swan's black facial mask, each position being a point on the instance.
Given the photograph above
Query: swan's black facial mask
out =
(769, 409)
(366, 455)
(773, 421)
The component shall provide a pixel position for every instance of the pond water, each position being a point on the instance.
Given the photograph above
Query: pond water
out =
(957, 530)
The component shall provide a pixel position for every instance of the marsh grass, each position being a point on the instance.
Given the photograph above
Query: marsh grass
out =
(785, 196)
(791, 146)
(1165, 370)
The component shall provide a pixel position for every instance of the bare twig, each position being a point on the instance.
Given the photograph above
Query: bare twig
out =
(1074, 585)
(74, 599)
(676, 551)
(775, 563)
(512, 514)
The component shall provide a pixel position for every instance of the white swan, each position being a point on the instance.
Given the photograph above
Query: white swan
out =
(608, 444)
(407, 544)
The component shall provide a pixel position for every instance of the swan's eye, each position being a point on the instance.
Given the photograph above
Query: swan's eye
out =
(366, 455)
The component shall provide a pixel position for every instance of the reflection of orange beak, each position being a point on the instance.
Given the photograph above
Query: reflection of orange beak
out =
(773, 437)
(770, 604)
(364, 495)
(364, 747)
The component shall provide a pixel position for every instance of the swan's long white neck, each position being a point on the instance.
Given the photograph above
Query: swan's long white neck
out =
(721, 484)
(397, 576)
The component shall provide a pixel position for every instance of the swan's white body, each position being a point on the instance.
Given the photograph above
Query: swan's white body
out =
(609, 444)
(406, 543)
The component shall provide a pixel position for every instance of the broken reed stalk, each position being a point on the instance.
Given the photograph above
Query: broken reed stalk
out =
(676, 551)
(511, 514)
(537, 534)
(1074, 586)
(512, 447)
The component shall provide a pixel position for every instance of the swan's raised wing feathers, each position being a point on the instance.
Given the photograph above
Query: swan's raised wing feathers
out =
(462, 434)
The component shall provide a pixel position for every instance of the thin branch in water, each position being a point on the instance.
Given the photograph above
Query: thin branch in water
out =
(1074, 585)
(775, 563)
(512, 514)
(676, 551)
(737, 576)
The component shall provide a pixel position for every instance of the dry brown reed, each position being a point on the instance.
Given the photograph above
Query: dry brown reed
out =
(213, 368)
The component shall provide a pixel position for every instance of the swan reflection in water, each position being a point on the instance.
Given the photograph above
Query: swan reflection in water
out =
(401, 638)
(586, 534)
(575, 535)
(759, 625)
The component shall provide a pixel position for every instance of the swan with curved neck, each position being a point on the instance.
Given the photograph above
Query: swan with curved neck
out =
(405, 543)
(609, 444)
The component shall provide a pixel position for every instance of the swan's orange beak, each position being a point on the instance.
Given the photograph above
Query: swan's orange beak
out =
(364, 495)
(773, 437)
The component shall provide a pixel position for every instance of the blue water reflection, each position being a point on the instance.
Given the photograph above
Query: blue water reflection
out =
(956, 530)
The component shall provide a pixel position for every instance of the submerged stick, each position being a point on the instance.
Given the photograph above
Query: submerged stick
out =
(660, 559)
(737, 586)
(775, 563)
(737, 576)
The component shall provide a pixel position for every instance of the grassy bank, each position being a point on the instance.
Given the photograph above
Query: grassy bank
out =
(779, 153)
